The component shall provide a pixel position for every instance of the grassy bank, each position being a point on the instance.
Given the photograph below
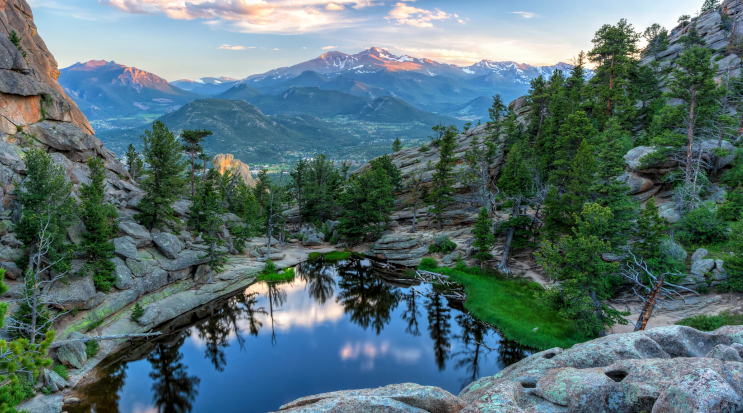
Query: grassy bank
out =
(287, 275)
(334, 255)
(703, 322)
(510, 305)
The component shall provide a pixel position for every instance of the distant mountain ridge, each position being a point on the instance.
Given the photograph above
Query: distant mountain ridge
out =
(206, 85)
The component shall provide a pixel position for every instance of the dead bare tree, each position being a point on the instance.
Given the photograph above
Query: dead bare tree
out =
(416, 193)
(654, 290)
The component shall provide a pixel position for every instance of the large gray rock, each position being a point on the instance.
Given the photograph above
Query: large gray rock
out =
(75, 231)
(182, 208)
(711, 145)
(669, 212)
(125, 247)
(636, 182)
(168, 244)
(74, 291)
(124, 277)
(155, 280)
(674, 250)
(10, 57)
(15, 83)
(313, 239)
(402, 398)
(666, 369)
(139, 234)
(53, 381)
(186, 258)
(698, 255)
(702, 267)
(73, 354)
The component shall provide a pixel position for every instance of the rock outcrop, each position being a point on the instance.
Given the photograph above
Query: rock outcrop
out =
(227, 162)
(667, 369)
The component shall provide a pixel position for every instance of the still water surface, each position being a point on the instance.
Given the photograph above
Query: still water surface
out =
(336, 326)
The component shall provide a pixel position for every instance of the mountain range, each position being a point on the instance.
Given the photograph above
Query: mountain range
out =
(114, 95)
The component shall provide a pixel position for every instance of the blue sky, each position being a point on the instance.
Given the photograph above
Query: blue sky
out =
(196, 38)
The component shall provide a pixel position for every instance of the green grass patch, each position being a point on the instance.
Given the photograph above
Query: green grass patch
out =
(703, 322)
(288, 275)
(335, 255)
(511, 305)
(62, 371)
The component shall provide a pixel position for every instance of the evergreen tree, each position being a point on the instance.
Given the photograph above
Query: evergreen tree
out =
(651, 230)
(577, 129)
(585, 279)
(710, 5)
(693, 82)
(134, 163)
(367, 204)
(324, 184)
(684, 19)
(298, 183)
(557, 114)
(734, 263)
(657, 38)
(396, 145)
(479, 157)
(517, 183)
(192, 147)
(164, 180)
(576, 82)
(209, 205)
(99, 218)
(484, 238)
(16, 40)
(384, 162)
(441, 193)
(538, 100)
(45, 197)
(614, 53)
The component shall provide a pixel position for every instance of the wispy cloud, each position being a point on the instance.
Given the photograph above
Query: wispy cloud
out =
(526, 14)
(228, 47)
(413, 16)
(329, 47)
(265, 16)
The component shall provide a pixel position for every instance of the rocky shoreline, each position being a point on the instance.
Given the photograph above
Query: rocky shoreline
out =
(665, 370)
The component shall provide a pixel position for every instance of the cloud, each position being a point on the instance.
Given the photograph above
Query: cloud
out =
(329, 47)
(526, 14)
(334, 7)
(262, 16)
(228, 47)
(413, 16)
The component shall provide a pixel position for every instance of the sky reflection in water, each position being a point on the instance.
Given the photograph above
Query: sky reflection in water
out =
(337, 326)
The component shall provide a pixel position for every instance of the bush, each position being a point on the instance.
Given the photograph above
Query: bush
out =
(704, 322)
(443, 245)
(428, 264)
(287, 275)
(270, 267)
(137, 312)
(334, 240)
(91, 348)
(732, 209)
(62, 371)
(701, 226)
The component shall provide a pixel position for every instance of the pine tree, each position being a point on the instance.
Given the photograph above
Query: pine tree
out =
(576, 129)
(441, 193)
(46, 200)
(538, 100)
(479, 157)
(209, 205)
(517, 184)
(651, 229)
(192, 147)
(693, 82)
(16, 40)
(99, 218)
(137, 312)
(657, 38)
(484, 238)
(614, 53)
(576, 82)
(367, 204)
(710, 5)
(585, 279)
(557, 114)
(298, 183)
(134, 163)
(396, 145)
(734, 263)
(165, 176)
(324, 184)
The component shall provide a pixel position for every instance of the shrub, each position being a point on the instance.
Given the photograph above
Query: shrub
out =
(704, 322)
(732, 209)
(334, 240)
(137, 313)
(91, 348)
(270, 267)
(62, 371)
(701, 226)
(443, 245)
(428, 264)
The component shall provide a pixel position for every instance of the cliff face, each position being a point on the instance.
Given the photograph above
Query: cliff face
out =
(42, 67)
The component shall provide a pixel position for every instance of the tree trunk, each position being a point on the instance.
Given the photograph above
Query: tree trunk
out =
(611, 87)
(647, 309)
(690, 135)
(415, 214)
(503, 266)
(599, 313)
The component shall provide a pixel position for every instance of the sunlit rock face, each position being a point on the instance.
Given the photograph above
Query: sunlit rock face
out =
(227, 162)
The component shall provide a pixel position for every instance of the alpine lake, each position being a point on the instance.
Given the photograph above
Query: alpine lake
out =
(340, 325)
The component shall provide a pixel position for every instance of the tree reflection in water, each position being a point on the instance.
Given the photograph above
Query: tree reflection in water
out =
(410, 315)
(106, 398)
(365, 297)
(174, 391)
(471, 338)
(439, 328)
(319, 278)
(276, 298)
(217, 329)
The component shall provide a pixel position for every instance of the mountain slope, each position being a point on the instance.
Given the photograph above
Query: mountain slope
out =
(106, 90)
(241, 129)
(206, 85)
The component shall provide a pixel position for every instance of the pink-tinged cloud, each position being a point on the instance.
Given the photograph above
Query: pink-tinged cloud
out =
(228, 47)
(403, 14)
(526, 14)
(329, 47)
(268, 16)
